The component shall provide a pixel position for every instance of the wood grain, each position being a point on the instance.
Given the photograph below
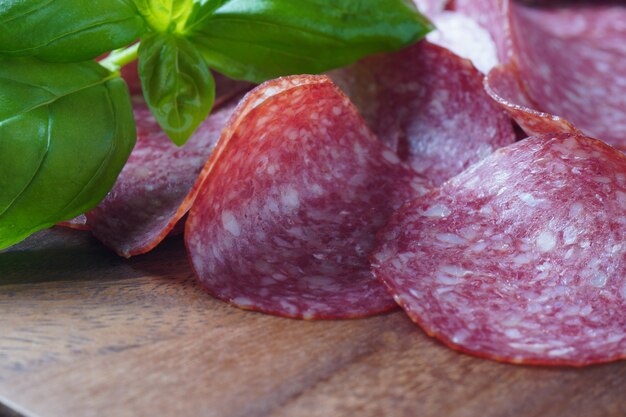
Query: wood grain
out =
(85, 333)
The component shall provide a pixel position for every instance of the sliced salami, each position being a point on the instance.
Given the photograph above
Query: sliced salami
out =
(572, 61)
(79, 223)
(492, 16)
(429, 105)
(290, 204)
(430, 7)
(503, 85)
(466, 38)
(156, 187)
(521, 258)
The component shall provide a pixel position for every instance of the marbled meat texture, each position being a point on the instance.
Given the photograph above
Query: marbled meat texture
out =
(291, 201)
(429, 105)
(492, 15)
(572, 61)
(430, 8)
(505, 88)
(156, 187)
(79, 223)
(521, 258)
(466, 38)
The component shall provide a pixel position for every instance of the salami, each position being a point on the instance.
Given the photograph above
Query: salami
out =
(572, 61)
(503, 85)
(290, 203)
(463, 36)
(79, 223)
(429, 105)
(492, 16)
(521, 258)
(155, 188)
(430, 7)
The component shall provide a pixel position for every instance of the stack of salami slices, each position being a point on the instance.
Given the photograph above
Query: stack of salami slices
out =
(405, 180)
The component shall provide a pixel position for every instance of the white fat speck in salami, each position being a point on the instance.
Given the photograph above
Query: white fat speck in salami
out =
(429, 105)
(290, 204)
(156, 187)
(547, 284)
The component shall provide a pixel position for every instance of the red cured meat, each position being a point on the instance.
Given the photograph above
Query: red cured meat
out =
(503, 85)
(430, 7)
(79, 223)
(572, 61)
(521, 258)
(156, 187)
(492, 16)
(226, 89)
(429, 105)
(290, 204)
(466, 38)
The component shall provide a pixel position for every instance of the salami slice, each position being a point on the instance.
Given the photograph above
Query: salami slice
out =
(79, 223)
(521, 258)
(291, 200)
(155, 188)
(466, 38)
(492, 16)
(504, 86)
(572, 61)
(430, 7)
(429, 105)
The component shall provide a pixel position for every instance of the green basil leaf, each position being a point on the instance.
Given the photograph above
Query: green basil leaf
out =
(176, 83)
(258, 40)
(165, 15)
(67, 30)
(66, 131)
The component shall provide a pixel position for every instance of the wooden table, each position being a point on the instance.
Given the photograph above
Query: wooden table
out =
(85, 333)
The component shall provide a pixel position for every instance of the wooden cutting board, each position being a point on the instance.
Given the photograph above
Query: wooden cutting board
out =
(85, 333)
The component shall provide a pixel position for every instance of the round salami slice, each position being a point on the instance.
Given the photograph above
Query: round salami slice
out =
(430, 7)
(429, 105)
(572, 61)
(522, 257)
(290, 204)
(466, 38)
(155, 188)
(79, 223)
(492, 16)
(503, 85)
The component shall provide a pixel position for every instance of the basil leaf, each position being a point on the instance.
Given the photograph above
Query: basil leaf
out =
(165, 15)
(66, 131)
(176, 83)
(67, 30)
(258, 40)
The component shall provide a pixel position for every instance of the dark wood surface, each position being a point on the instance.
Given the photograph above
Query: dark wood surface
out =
(85, 333)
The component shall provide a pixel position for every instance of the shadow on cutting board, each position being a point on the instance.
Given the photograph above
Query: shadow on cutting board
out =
(60, 254)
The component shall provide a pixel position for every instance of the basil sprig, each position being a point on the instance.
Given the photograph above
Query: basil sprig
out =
(66, 124)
